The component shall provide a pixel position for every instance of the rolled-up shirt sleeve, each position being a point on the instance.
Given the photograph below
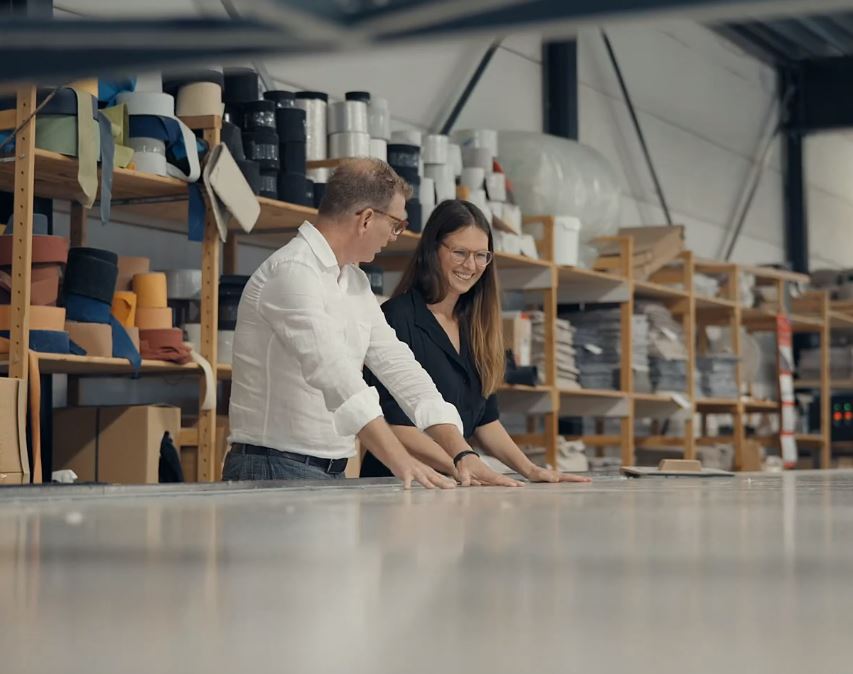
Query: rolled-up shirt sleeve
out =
(292, 303)
(394, 364)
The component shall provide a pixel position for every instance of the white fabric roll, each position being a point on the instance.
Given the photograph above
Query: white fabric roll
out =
(199, 98)
(454, 158)
(349, 144)
(512, 217)
(147, 103)
(445, 183)
(152, 145)
(378, 118)
(472, 177)
(150, 162)
(480, 138)
(407, 137)
(477, 156)
(184, 284)
(193, 331)
(497, 208)
(496, 186)
(435, 149)
(427, 193)
(379, 149)
(315, 127)
(149, 82)
(225, 346)
(319, 175)
(347, 116)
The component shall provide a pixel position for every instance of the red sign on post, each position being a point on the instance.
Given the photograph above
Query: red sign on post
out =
(785, 366)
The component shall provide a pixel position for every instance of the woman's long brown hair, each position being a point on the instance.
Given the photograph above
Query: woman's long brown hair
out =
(478, 310)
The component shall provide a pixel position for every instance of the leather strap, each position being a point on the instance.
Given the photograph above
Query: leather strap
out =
(164, 345)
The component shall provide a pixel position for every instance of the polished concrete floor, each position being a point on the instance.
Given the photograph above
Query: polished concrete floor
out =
(689, 576)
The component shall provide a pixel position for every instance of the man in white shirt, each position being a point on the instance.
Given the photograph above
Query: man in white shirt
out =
(307, 325)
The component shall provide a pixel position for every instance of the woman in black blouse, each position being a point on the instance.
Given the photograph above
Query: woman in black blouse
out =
(447, 309)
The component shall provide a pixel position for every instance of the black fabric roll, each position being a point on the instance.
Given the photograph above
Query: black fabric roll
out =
(409, 174)
(282, 99)
(290, 124)
(258, 115)
(414, 213)
(251, 171)
(91, 272)
(319, 193)
(261, 145)
(174, 80)
(312, 94)
(230, 291)
(358, 96)
(400, 154)
(64, 102)
(232, 136)
(241, 85)
(293, 188)
(292, 157)
(269, 184)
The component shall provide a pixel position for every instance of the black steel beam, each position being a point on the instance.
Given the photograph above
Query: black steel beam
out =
(827, 94)
(794, 192)
(560, 88)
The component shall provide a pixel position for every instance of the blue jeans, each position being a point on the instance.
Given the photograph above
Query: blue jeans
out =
(243, 467)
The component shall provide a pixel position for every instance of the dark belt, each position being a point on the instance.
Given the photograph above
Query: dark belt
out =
(330, 466)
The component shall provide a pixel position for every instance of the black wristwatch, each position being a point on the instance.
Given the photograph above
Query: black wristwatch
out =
(462, 455)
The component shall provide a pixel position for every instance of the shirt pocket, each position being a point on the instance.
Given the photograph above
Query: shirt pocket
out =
(358, 339)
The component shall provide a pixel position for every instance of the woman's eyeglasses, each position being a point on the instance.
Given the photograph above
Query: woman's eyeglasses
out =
(482, 258)
(400, 226)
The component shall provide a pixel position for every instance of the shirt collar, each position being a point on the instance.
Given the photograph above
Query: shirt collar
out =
(318, 244)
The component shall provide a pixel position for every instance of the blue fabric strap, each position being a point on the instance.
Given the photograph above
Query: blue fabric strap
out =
(89, 310)
(108, 151)
(51, 341)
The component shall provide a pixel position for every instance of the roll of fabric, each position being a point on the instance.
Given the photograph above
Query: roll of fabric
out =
(378, 119)
(258, 115)
(232, 136)
(379, 149)
(496, 186)
(427, 194)
(149, 82)
(133, 334)
(319, 175)
(319, 193)
(251, 171)
(454, 158)
(282, 99)
(293, 156)
(44, 284)
(347, 116)
(293, 188)
(349, 144)
(124, 307)
(91, 272)
(47, 341)
(96, 339)
(290, 125)
(128, 267)
(149, 155)
(148, 103)
(473, 177)
(166, 344)
(478, 157)
(225, 346)
(41, 318)
(230, 291)
(409, 174)
(45, 249)
(151, 290)
(269, 184)
(445, 183)
(175, 80)
(261, 145)
(184, 284)
(434, 150)
(90, 86)
(486, 139)
(241, 85)
(414, 211)
(407, 155)
(153, 318)
(363, 96)
(409, 137)
(199, 98)
(314, 103)
(89, 310)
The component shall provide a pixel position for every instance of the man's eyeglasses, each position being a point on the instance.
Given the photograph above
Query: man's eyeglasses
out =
(482, 258)
(400, 226)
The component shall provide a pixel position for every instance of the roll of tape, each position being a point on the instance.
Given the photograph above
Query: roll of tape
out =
(124, 307)
(225, 346)
(199, 98)
(184, 284)
(454, 158)
(128, 267)
(379, 149)
(96, 339)
(150, 290)
(175, 80)
(258, 115)
(153, 318)
(403, 155)
(41, 318)
(434, 149)
(241, 85)
(314, 103)
(496, 186)
(480, 138)
(147, 103)
(349, 144)
(427, 193)
(445, 183)
(407, 138)
(378, 119)
(478, 156)
(149, 82)
(347, 116)
(472, 177)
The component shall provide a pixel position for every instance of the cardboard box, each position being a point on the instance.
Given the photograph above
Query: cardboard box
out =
(118, 445)
(518, 336)
(14, 459)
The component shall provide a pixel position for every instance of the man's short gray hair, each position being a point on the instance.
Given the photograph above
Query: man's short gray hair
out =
(361, 183)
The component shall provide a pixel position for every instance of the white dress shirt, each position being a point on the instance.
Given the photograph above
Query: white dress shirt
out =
(305, 329)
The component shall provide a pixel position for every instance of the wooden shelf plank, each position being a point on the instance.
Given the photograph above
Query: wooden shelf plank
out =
(835, 384)
(809, 438)
(519, 388)
(55, 363)
(224, 371)
(592, 393)
(718, 405)
(753, 406)
(658, 291)
(768, 273)
(715, 304)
